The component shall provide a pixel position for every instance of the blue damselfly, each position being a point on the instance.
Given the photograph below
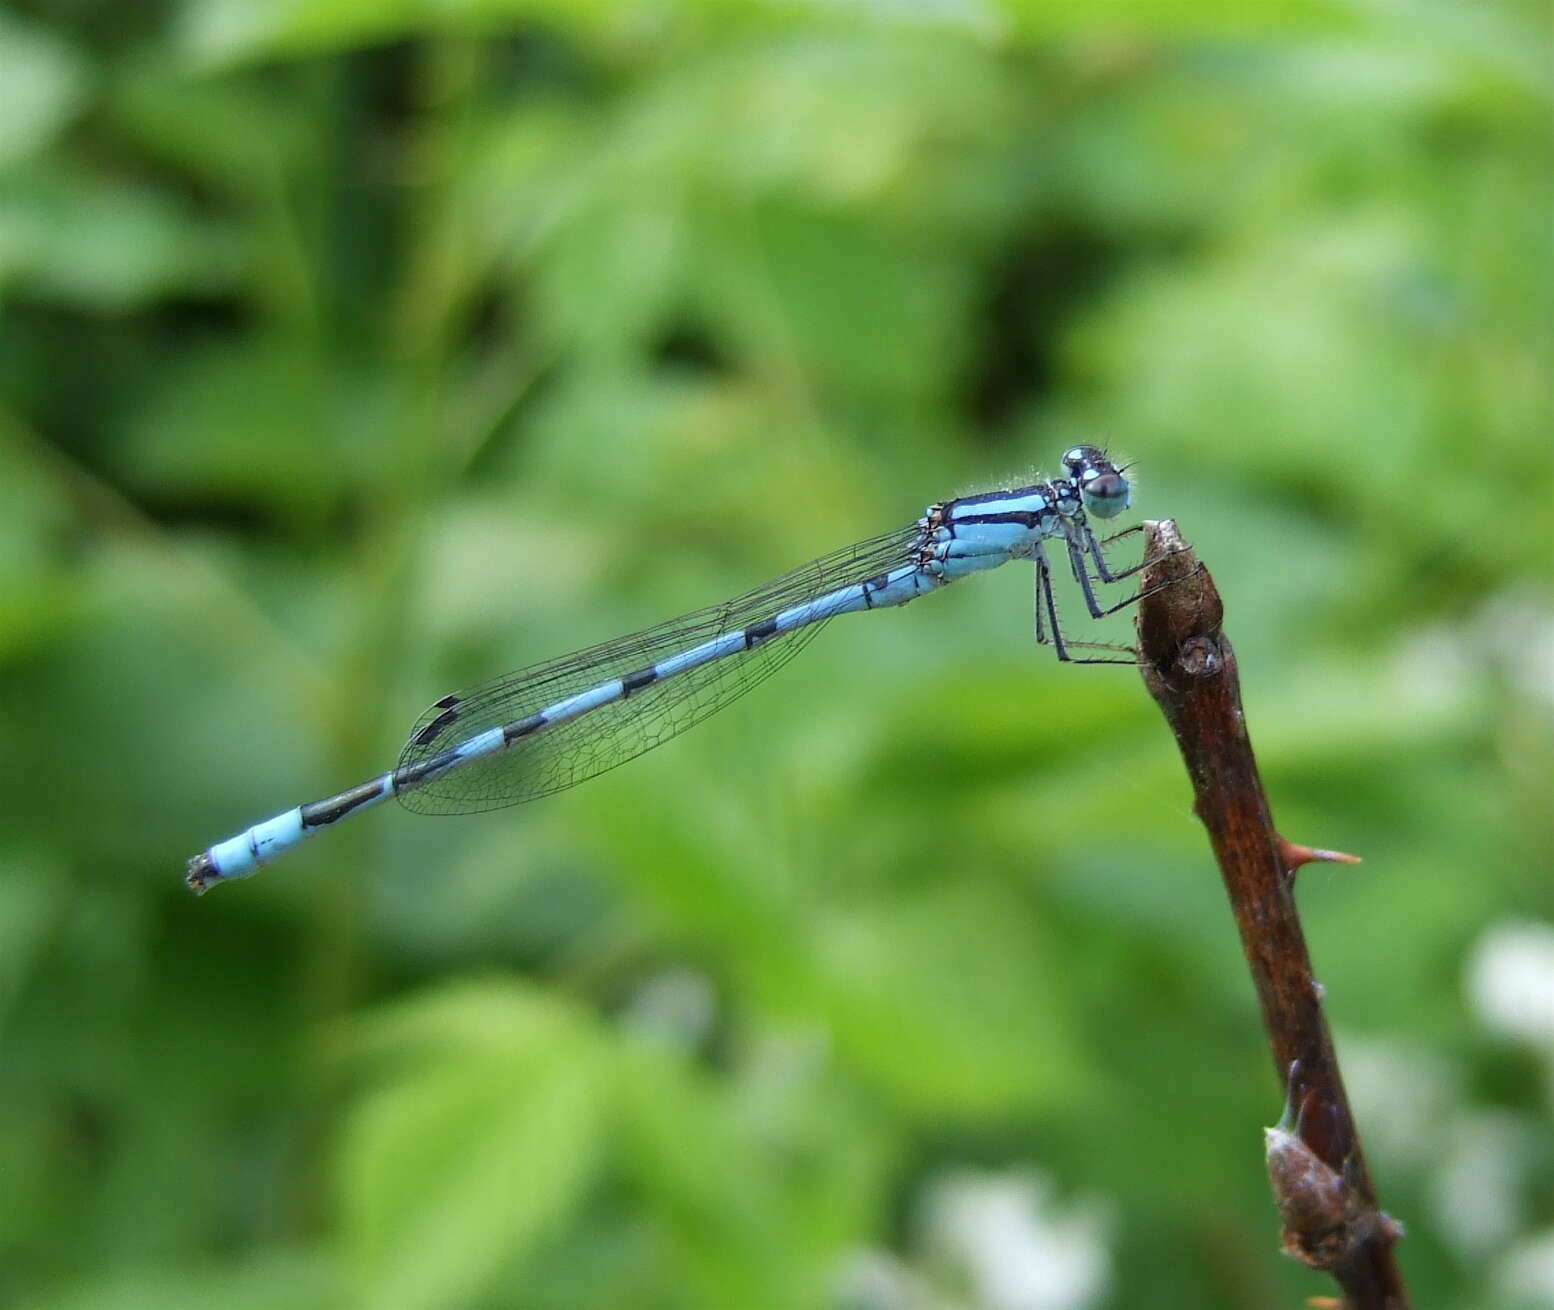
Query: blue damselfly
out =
(551, 726)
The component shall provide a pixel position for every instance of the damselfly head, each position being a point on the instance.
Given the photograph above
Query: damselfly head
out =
(1101, 484)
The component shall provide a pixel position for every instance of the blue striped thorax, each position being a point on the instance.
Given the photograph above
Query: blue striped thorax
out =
(1000, 525)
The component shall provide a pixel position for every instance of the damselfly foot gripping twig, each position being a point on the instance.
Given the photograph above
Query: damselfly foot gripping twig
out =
(1082, 545)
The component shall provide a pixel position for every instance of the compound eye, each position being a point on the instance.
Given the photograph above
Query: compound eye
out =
(1075, 457)
(1106, 494)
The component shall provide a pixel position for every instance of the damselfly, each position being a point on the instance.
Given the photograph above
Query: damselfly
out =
(548, 727)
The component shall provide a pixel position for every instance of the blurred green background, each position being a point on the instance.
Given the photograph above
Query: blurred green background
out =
(353, 350)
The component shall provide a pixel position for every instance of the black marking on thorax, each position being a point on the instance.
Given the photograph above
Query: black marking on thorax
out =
(1026, 518)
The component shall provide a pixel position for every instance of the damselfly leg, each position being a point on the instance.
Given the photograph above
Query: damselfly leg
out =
(1048, 628)
(1097, 552)
(1082, 543)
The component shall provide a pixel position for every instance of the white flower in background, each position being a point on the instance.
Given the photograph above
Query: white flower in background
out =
(877, 1280)
(676, 1007)
(1433, 669)
(1511, 982)
(1512, 632)
(1526, 1275)
(1518, 627)
(1478, 1187)
(1006, 1236)
(1476, 1164)
(1401, 1095)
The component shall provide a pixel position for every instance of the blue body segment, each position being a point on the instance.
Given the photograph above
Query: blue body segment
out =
(487, 743)
(543, 729)
(248, 852)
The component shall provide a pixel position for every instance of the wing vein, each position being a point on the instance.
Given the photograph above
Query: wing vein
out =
(581, 748)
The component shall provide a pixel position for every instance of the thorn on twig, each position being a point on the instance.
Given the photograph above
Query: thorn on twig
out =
(1292, 855)
(1327, 1203)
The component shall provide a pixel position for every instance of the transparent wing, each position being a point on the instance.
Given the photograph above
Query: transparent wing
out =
(571, 752)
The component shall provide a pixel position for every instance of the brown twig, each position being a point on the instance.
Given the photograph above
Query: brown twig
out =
(1331, 1220)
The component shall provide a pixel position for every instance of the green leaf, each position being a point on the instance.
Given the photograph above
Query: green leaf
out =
(947, 996)
(1181, 18)
(216, 32)
(106, 244)
(241, 135)
(277, 1280)
(237, 422)
(455, 1168)
(727, 1213)
(42, 86)
(36, 598)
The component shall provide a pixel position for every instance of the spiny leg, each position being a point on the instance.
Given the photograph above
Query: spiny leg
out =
(1076, 562)
(1125, 532)
(1046, 604)
(1067, 643)
(1044, 588)
(1097, 553)
(1076, 558)
(1039, 602)
(1098, 549)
